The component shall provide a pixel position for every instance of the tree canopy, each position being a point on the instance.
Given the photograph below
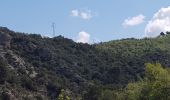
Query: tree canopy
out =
(154, 86)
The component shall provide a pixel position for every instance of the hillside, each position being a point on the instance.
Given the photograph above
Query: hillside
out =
(36, 67)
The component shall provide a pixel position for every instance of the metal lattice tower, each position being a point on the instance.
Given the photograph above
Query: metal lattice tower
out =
(53, 26)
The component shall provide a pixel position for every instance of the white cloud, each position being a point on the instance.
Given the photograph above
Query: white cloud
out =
(74, 13)
(86, 15)
(133, 21)
(83, 37)
(159, 23)
(83, 14)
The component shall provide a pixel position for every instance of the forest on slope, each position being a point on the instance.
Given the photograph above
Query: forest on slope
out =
(36, 67)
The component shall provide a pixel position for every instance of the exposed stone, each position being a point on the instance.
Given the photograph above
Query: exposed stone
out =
(33, 74)
(15, 60)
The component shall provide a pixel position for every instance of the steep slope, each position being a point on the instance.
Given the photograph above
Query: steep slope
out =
(43, 66)
(37, 67)
(131, 54)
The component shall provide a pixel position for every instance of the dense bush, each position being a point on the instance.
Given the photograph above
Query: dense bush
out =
(4, 72)
(44, 66)
(154, 86)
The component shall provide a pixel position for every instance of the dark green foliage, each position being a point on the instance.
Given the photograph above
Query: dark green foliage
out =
(155, 85)
(162, 33)
(4, 72)
(44, 66)
(167, 32)
(27, 83)
(4, 96)
(93, 93)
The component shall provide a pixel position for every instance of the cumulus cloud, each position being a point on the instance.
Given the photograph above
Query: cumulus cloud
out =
(133, 21)
(74, 13)
(83, 14)
(83, 37)
(160, 22)
(86, 15)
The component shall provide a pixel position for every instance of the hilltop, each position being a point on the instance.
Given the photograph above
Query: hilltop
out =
(36, 67)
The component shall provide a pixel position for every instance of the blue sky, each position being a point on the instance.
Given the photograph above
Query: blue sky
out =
(99, 20)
